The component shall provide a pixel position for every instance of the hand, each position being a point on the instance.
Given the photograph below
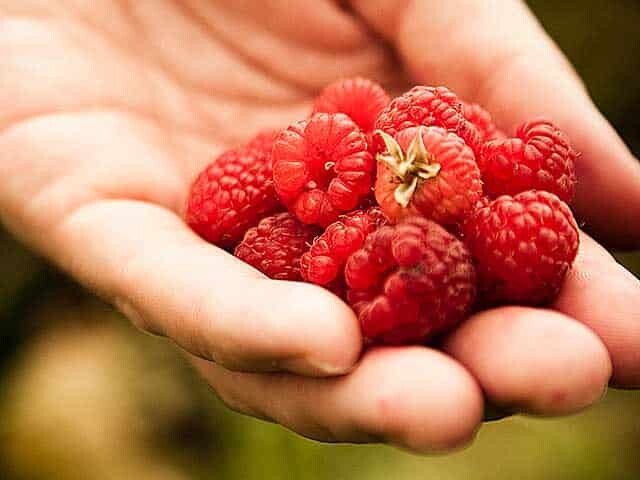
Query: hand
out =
(107, 112)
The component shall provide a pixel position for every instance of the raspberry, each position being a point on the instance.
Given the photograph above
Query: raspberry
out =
(478, 116)
(428, 106)
(321, 167)
(540, 157)
(523, 247)
(410, 282)
(233, 192)
(429, 172)
(359, 98)
(275, 246)
(324, 261)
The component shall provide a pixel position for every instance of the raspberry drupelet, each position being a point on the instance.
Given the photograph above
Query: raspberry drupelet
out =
(428, 106)
(409, 282)
(483, 121)
(276, 245)
(359, 98)
(233, 193)
(322, 167)
(539, 157)
(427, 171)
(324, 262)
(523, 247)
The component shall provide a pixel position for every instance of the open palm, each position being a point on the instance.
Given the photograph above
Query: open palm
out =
(108, 109)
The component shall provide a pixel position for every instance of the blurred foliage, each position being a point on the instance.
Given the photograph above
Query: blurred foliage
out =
(85, 396)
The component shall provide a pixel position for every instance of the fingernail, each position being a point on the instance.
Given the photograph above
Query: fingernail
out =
(311, 367)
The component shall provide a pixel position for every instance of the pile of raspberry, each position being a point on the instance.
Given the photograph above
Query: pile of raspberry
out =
(416, 211)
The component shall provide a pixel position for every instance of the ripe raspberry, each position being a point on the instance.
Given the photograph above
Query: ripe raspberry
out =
(321, 167)
(481, 118)
(540, 157)
(359, 98)
(233, 193)
(410, 282)
(324, 261)
(523, 247)
(428, 106)
(429, 172)
(275, 246)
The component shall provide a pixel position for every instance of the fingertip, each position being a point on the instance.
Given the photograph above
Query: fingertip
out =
(533, 361)
(328, 341)
(443, 409)
(586, 371)
(263, 325)
(464, 412)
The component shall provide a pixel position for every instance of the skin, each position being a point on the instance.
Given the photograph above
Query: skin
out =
(108, 110)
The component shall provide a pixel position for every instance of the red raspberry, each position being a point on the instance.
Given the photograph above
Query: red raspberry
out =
(359, 98)
(324, 261)
(321, 167)
(233, 193)
(410, 282)
(428, 106)
(540, 157)
(275, 246)
(429, 172)
(523, 246)
(481, 118)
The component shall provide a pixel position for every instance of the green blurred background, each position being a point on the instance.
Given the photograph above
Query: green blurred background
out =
(84, 396)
